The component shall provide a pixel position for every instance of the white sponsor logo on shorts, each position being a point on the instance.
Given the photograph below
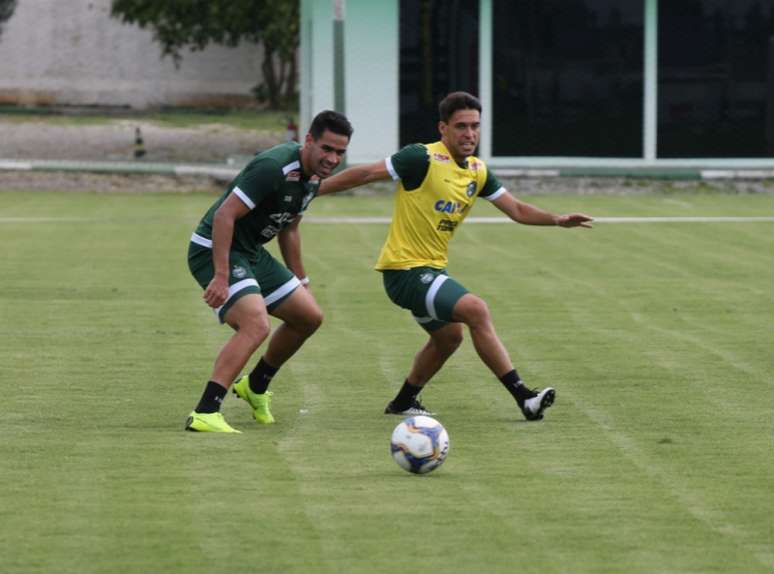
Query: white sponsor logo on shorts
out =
(426, 277)
(239, 272)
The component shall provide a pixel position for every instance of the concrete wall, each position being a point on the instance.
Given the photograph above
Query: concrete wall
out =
(72, 52)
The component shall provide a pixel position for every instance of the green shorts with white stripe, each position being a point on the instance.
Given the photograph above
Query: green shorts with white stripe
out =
(260, 274)
(429, 293)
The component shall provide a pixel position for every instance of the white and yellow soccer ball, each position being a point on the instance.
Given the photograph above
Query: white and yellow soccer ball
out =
(419, 444)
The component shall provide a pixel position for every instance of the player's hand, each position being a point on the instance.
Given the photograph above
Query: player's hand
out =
(217, 292)
(574, 220)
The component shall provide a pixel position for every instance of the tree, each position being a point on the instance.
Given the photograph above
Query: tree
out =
(194, 24)
(6, 11)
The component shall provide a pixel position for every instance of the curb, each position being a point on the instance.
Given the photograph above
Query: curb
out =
(228, 171)
(216, 171)
(676, 173)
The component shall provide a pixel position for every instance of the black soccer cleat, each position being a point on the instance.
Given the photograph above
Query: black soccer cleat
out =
(416, 408)
(533, 408)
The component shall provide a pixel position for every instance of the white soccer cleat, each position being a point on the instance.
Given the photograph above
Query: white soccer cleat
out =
(533, 408)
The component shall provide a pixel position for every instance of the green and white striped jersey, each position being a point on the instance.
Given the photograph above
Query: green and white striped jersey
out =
(275, 189)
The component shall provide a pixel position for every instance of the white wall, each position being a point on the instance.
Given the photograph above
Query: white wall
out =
(371, 45)
(73, 52)
(371, 60)
(316, 69)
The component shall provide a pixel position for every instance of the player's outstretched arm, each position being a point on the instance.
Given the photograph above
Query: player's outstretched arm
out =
(354, 177)
(574, 220)
(528, 214)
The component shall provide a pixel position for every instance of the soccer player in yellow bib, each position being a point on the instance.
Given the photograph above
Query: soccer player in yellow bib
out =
(437, 186)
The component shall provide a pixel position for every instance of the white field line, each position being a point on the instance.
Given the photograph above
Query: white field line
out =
(681, 219)
(477, 220)
(490, 220)
(49, 220)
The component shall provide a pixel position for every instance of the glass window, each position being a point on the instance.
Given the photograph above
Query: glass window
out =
(438, 55)
(715, 78)
(567, 78)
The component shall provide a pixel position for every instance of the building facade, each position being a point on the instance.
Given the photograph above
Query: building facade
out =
(627, 83)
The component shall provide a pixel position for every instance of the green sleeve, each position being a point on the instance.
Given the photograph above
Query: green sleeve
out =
(492, 185)
(258, 180)
(410, 165)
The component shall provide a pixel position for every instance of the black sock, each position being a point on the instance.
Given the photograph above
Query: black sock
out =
(211, 398)
(406, 396)
(261, 376)
(512, 382)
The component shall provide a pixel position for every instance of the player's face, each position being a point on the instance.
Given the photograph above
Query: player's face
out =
(460, 134)
(324, 154)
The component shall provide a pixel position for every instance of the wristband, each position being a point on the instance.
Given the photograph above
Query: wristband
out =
(304, 280)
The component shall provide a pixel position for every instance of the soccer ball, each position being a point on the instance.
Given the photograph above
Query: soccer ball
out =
(419, 444)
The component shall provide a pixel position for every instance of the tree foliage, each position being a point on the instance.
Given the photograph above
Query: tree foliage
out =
(6, 11)
(193, 24)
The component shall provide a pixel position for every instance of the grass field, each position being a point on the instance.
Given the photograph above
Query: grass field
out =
(657, 457)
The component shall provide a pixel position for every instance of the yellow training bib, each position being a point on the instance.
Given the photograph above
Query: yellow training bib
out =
(425, 218)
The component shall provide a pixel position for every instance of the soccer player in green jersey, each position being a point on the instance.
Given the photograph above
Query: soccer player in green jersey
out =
(244, 284)
(437, 186)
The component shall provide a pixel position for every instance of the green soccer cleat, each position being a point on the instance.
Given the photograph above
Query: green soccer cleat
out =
(259, 403)
(208, 422)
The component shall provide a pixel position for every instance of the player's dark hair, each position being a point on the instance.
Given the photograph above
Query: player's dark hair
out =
(457, 101)
(331, 121)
